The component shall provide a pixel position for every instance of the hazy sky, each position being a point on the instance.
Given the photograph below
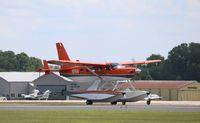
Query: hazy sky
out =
(98, 30)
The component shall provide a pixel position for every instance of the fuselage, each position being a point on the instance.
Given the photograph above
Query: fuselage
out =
(115, 72)
(110, 96)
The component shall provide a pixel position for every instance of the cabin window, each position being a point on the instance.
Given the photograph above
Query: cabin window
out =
(75, 71)
(117, 65)
(99, 68)
(81, 70)
(108, 68)
(94, 68)
(114, 65)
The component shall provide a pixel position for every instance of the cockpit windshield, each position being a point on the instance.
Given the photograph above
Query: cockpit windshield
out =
(116, 65)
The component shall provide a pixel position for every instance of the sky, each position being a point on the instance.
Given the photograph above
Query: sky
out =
(98, 30)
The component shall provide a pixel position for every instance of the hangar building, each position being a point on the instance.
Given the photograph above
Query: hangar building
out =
(171, 90)
(13, 84)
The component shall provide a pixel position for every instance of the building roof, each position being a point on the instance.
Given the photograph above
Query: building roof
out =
(143, 84)
(20, 76)
(25, 76)
(54, 73)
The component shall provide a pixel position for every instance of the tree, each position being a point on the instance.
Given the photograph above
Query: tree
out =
(34, 64)
(22, 61)
(155, 70)
(194, 62)
(184, 62)
(178, 59)
(19, 62)
(8, 60)
(151, 71)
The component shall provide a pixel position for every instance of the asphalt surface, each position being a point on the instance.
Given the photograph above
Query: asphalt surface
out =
(141, 106)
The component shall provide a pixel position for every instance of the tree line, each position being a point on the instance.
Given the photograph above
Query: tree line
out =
(182, 63)
(9, 61)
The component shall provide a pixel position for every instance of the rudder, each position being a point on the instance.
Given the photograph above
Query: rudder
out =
(62, 54)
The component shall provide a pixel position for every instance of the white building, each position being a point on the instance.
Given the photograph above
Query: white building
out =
(13, 84)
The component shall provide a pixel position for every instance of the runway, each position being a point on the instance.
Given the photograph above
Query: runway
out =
(139, 106)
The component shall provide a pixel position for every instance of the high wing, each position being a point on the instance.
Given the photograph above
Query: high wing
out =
(141, 62)
(77, 63)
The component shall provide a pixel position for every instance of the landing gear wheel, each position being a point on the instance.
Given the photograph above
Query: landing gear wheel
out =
(89, 102)
(124, 103)
(148, 101)
(114, 103)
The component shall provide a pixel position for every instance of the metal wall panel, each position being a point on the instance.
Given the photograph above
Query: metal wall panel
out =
(174, 94)
(165, 94)
(189, 95)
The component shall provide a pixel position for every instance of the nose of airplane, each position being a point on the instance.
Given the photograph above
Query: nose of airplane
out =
(138, 70)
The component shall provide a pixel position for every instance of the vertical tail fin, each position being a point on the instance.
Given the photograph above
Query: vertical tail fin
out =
(62, 54)
(45, 68)
(35, 92)
(46, 94)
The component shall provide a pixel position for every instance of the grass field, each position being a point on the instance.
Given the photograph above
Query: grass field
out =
(97, 117)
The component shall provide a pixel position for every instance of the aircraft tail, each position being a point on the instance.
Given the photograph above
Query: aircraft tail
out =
(45, 68)
(35, 92)
(62, 53)
(46, 94)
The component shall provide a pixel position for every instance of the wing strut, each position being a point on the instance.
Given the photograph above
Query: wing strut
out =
(101, 79)
(91, 71)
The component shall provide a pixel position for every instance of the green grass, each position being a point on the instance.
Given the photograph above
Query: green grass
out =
(97, 117)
